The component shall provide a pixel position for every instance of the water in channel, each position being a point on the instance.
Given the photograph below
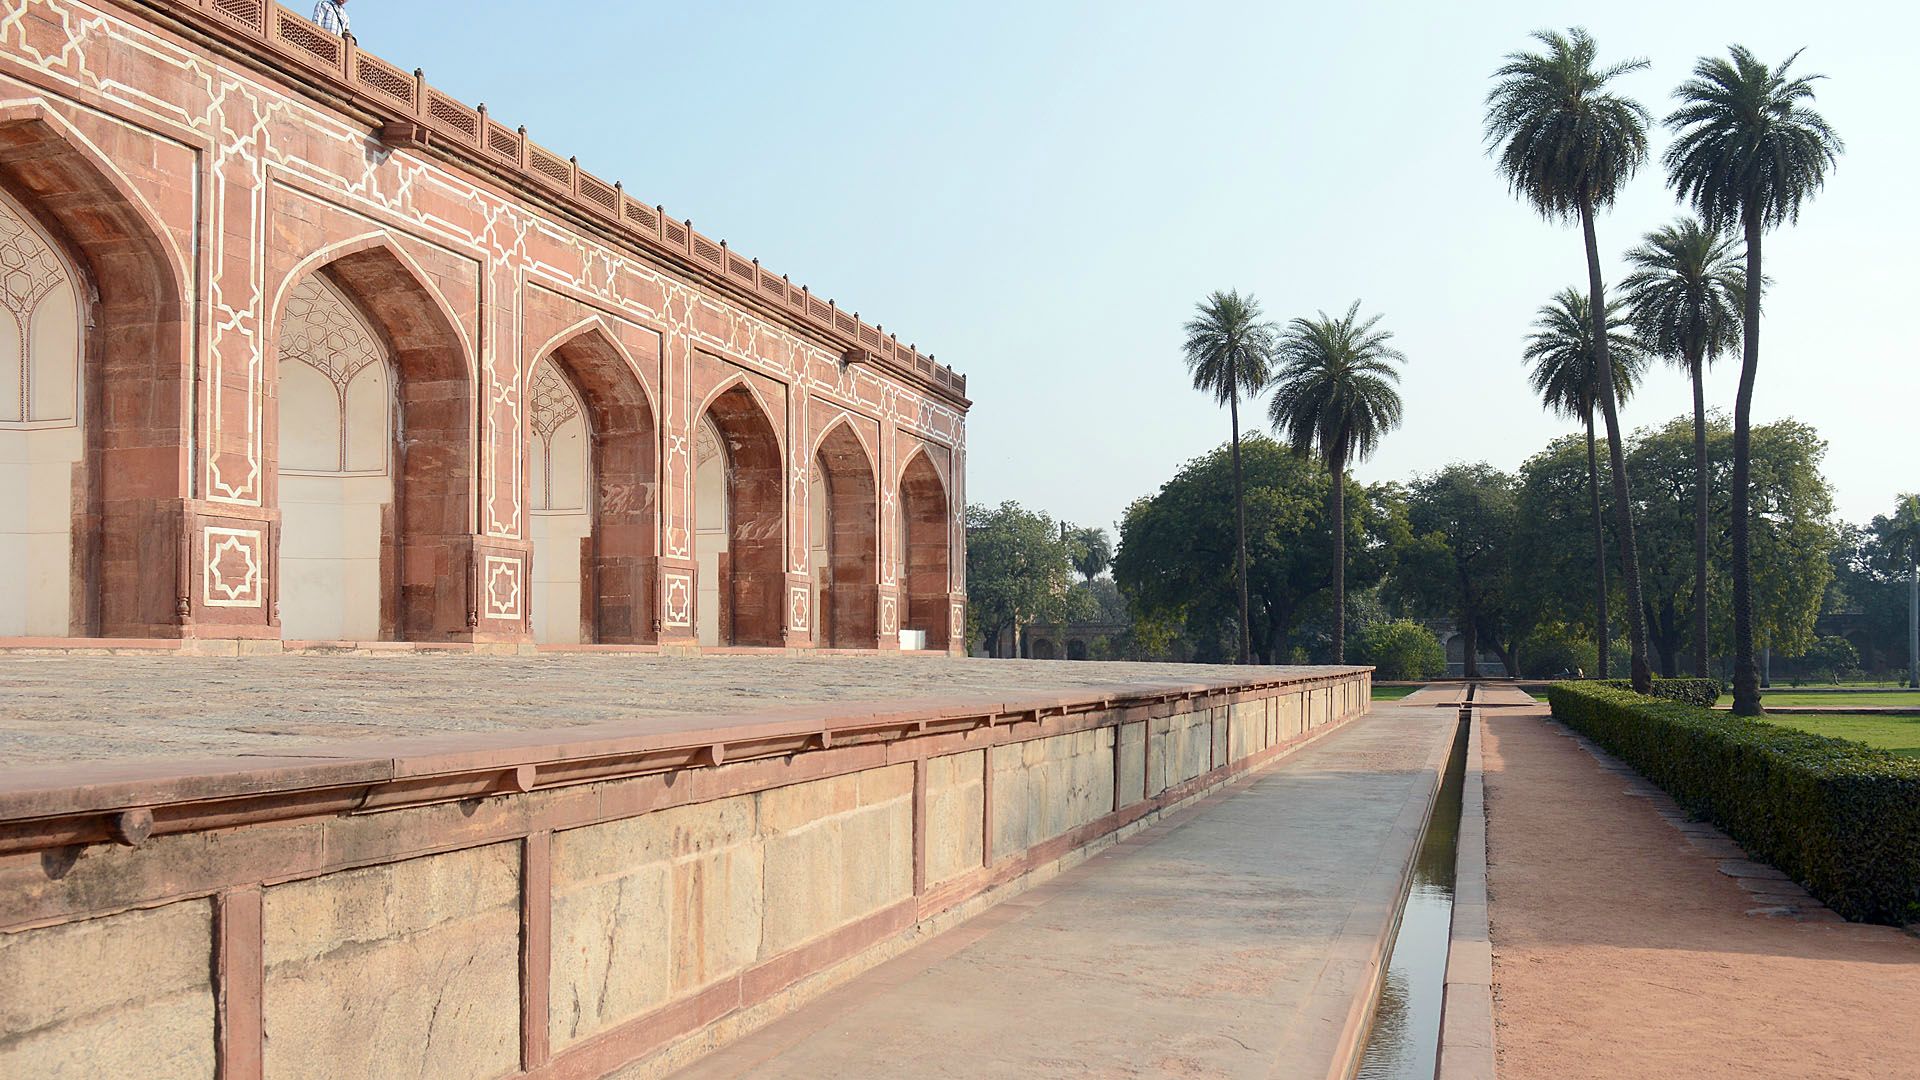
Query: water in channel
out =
(1405, 1041)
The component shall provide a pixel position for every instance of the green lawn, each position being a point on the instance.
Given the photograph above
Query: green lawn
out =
(1845, 700)
(1900, 734)
(1392, 693)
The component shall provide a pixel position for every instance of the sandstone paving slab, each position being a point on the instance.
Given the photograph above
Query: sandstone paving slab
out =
(106, 708)
(1201, 947)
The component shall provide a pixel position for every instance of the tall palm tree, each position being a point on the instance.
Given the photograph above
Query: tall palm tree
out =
(1091, 551)
(1229, 348)
(1567, 146)
(1687, 289)
(1334, 396)
(1566, 375)
(1748, 149)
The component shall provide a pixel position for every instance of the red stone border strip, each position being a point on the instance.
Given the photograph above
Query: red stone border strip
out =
(1466, 1010)
(1333, 1023)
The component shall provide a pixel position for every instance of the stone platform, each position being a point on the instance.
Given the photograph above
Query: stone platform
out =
(550, 866)
(100, 708)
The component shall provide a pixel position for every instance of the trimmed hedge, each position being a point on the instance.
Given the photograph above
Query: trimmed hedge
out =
(1839, 817)
(1702, 692)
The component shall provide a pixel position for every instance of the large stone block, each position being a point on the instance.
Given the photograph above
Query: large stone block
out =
(610, 949)
(408, 969)
(125, 995)
(955, 802)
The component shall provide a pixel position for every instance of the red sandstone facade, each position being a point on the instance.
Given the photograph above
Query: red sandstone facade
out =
(195, 161)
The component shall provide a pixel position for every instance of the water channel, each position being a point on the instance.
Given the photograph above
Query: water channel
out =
(1404, 1042)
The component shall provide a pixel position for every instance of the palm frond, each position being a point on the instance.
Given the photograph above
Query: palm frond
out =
(1335, 389)
(1563, 140)
(1747, 140)
(1228, 334)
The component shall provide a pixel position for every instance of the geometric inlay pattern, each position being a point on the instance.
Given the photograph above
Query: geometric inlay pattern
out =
(233, 568)
(502, 587)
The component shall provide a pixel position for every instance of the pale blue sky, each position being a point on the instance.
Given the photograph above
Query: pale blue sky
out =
(1039, 192)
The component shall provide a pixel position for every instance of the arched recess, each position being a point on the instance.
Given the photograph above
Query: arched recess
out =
(739, 524)
(844, 536)
(592, 495)
(923, 511)
(126, 493)
(425, 521)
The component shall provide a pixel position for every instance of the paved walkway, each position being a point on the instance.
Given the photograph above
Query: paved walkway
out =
(1626, 945)
(1222, 943)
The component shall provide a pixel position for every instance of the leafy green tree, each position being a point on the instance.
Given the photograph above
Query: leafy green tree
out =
(1567, 146)
(1749, 150)
(1229, 349)
(1019, 571)
(1553, 554)
(1898, 535)
(1334, 397)
(1402, 649)
(1566, 367)
(1176, 550)
(1687, 289)
(1460, 557)
(1792, 543)
(1092, 552)
(1829, 659)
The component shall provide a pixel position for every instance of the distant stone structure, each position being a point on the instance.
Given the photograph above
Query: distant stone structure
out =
(295, 346)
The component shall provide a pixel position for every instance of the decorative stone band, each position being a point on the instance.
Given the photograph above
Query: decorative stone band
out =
(415, 115)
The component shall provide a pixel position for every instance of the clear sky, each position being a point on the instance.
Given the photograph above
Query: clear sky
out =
(1039, 193)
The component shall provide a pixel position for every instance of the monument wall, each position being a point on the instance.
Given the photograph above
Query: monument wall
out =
(295, 346)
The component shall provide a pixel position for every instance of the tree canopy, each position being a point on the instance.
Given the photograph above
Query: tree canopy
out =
(1019, 570)
(1175, 563)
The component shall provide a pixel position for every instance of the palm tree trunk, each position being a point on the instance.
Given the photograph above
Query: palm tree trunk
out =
(1913, 625)
(1603, 636)
(1239, 512)
(1696, 364)
(1616, 456)
(1746, 674)
(1339, 563)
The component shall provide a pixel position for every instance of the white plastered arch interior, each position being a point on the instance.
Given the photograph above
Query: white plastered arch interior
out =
(42, 433)
(560, 514)
(336, 436)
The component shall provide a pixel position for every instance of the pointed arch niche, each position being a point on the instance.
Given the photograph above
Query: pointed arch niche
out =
(923, 541)
(373, 420)
(42, 436)
(739, 528)
(591, 492)
(87, 256)
(844, 536)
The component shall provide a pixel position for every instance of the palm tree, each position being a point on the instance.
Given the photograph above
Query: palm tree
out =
(1686, 290)
(1566, 375)
(1091, 551)
(1567, 146)
(1334, 395)
(1228, 350)
(1748, 150)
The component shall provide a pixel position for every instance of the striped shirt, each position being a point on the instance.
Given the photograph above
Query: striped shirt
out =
(331, 15)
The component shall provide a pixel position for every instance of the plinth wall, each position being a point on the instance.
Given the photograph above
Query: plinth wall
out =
(482, 908)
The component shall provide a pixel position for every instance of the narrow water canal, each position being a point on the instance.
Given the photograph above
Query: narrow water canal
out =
(1405, 1041)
